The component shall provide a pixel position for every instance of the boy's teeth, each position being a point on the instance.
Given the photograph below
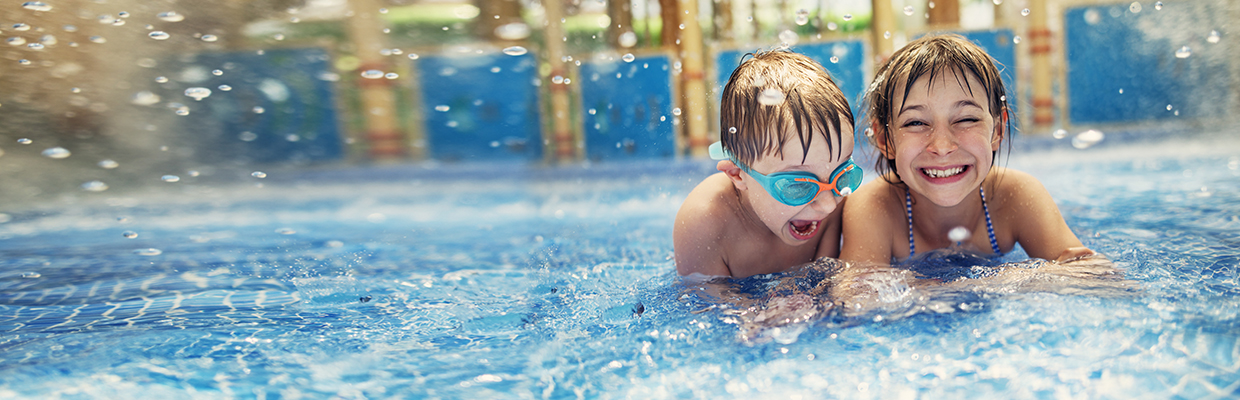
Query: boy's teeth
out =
(806, 228)
(943, 173)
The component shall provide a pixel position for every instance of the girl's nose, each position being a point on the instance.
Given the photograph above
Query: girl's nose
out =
(941, 142)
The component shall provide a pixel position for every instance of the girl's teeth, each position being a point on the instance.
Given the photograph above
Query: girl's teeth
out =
(943, 173)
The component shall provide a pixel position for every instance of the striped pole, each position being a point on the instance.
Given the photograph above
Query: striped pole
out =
(1040, 38)
(693, 79)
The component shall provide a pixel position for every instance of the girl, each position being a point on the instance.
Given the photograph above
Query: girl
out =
(937, 116)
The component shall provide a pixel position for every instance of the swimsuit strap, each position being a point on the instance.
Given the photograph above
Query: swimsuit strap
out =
(990, 229)
(908, 213)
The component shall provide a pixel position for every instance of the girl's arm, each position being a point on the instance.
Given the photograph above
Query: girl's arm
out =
(1036, 222)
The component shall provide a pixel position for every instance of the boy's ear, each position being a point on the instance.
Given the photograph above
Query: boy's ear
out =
(733, 172)
(1000, 130)
(880, 140)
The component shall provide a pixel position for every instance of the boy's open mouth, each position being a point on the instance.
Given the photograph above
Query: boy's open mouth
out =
(803, 229)
(944, 173)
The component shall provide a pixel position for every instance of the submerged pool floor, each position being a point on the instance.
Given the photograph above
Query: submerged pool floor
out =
(558, 283)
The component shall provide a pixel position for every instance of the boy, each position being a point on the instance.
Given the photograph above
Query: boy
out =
(786, 164)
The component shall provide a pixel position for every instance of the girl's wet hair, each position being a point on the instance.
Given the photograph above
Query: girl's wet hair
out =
(929, 57)
(753, 126)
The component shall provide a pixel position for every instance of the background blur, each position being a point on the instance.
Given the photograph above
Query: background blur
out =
(98, 97)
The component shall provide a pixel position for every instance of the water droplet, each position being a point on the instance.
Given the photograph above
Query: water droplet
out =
(1024, 12)
(170, 178)
(1059, 134)
(108, 164)
(1086, 139)
(383, 11)
(129, 234)
(16, 41)
(24, 141)
(958, 234)
(247, 136)
(413, 56)
(513, 31)
(1121, 90)
(278, 36)
(372, 74)
(998, 2)
(847, 17)
(1135, 7)
(37, 6)
(285, 231)
(676, 111)
(94, 186)
(1169, 107)
(21, 27)
(391, 75)
(31, 275)
(35, 46)
(6, 218)
(628, 57)
(198, 93)
(148, 252)
(1158, 6)
(224, 88)
(145, 98)
(258, 110)
(909, 10)
(835, 59)
(24, 62)
(832, 26)
(161, 79)
(170, 16)
(557, 79)
(217, 72)
(56, 152)
(788, 37)
(627, 39)
(259, 174)
(732, 129)
(210, 38)
(181, 110)
(1213, 37)
(886, 34)
(1016, 39)
(442, 108)
(98, 39)
(159, 35)
(802, 17)
(771, 97)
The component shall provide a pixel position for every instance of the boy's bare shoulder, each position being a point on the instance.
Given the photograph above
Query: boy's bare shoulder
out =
(701, 227)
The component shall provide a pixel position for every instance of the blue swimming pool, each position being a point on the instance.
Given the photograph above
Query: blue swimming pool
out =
(494, 281)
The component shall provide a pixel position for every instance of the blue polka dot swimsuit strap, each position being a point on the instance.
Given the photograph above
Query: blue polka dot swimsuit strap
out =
(908, 213)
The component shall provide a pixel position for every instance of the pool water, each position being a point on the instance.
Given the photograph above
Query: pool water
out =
(494, 281)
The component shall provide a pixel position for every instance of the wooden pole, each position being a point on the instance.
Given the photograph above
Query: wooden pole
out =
(1043, 76)
(693, 79)
(882, 22)
(562, 138)
(386, 140)
(945, 14)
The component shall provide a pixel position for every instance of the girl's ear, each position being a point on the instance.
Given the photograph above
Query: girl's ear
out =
(880, 140)
(1000, 130)
(734, 173)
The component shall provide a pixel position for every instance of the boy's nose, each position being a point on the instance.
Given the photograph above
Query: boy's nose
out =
(824, 204)
(941, 142)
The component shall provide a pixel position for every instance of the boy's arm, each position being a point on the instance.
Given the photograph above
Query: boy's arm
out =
(1037, 224)
(829, 244)
(866, 231)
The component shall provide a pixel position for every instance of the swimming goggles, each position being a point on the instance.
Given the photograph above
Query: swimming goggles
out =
(795, 188)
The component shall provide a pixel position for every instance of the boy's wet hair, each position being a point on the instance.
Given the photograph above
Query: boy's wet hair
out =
(753, 126)
(929, 57)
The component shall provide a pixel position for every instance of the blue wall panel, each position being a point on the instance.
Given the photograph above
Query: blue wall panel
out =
(848, 69)
(281, 106)
(1110, 48)
(481, 107)
(628, 108)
